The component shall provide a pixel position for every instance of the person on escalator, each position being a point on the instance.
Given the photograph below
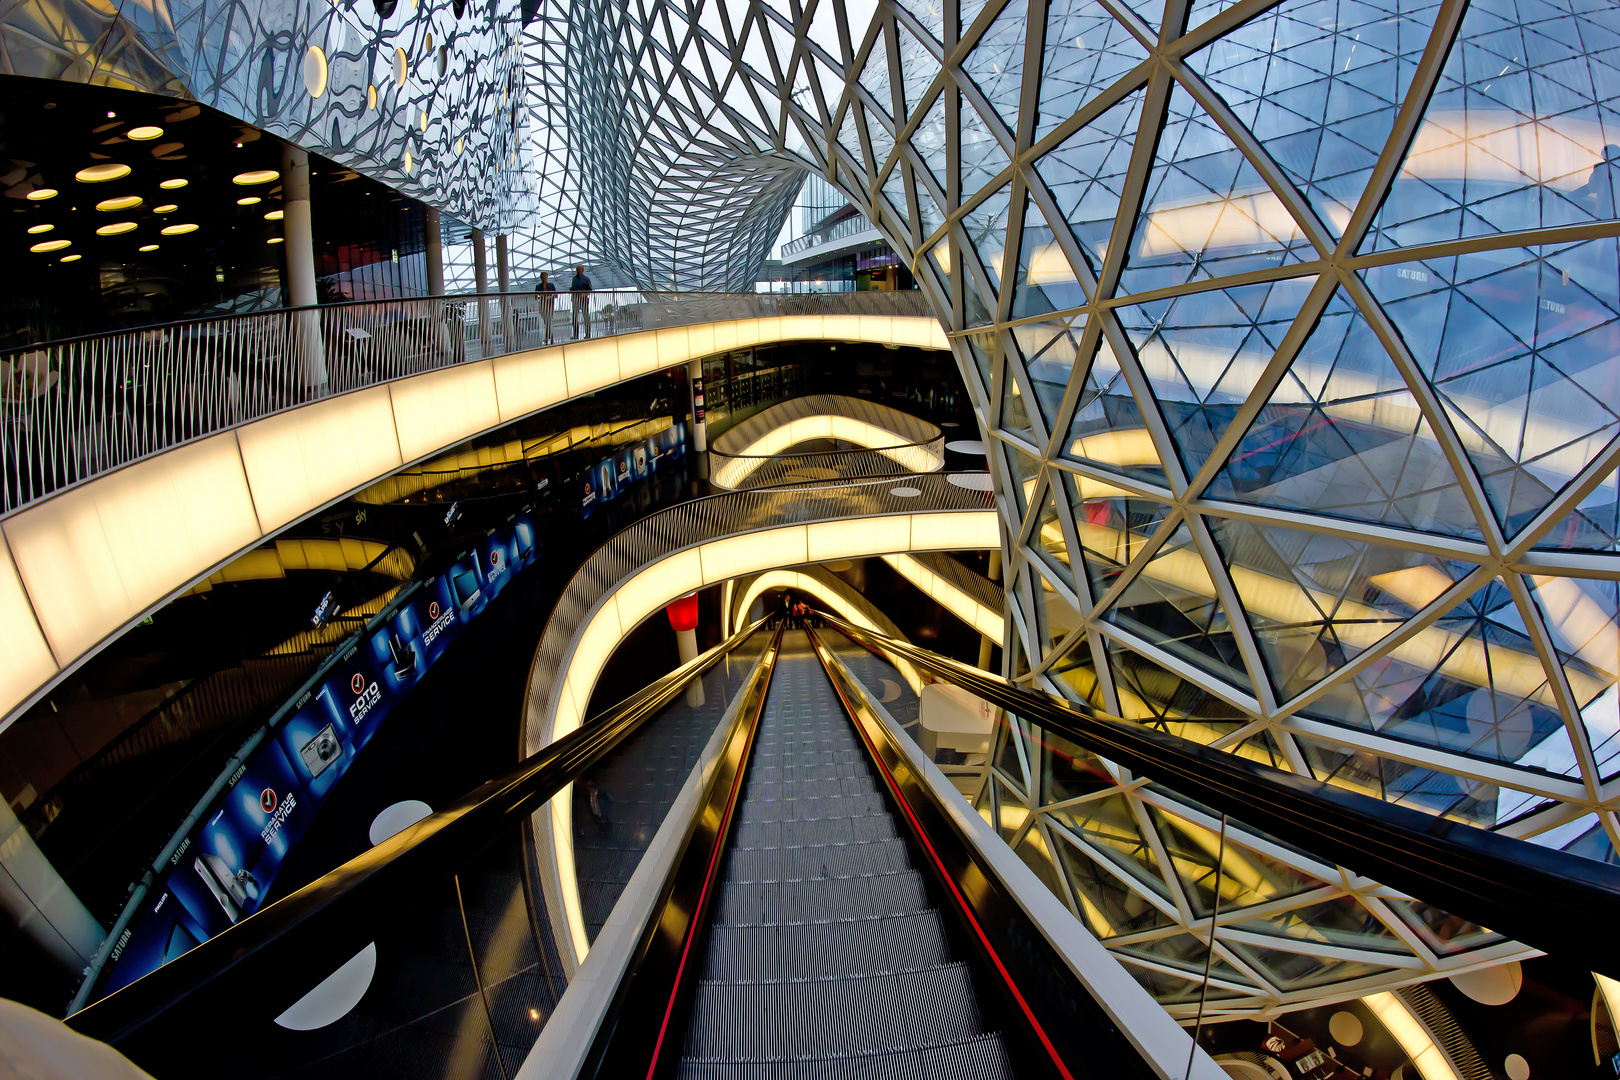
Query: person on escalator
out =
(599, 804)
(786, 612)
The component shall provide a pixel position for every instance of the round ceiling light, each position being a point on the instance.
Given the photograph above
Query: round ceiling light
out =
(171, 185)
(51, 245)
(117, 228)
(274, 215)
(35, 230)
(148, 247)
(256, 176)
(371, 97)
(407, 163)
(72, 258)
(177, 230)
(42, 193)
(274, 240)
(399, 67)
(100, 174)
(315, 71)
(166, 208)
(145, 133)
(249, 201)
(123, 202)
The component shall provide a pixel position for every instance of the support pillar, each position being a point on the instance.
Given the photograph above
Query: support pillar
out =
(40, 903)
(504, 278)
(481, 279)
(985, 643)
(298, 249)
(694, 384)
(433, 250)
(683, 619)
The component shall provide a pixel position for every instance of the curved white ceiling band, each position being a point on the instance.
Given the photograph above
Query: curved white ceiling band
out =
(836, 602)
(733, 471)
(647, 591)
(987, 621)
(81, 567)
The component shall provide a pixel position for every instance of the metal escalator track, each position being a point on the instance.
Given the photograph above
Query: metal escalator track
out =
(825, 949)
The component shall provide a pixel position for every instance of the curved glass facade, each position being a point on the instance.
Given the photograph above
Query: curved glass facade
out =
(1294, 328)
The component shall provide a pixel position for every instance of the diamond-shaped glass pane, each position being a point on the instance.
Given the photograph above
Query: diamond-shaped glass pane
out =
(996, 64)
(1045, 280)
(1171, 603)
(1049, 350)
(1108, 430)
(917, 68)
(1086, 50)
(1086, 173)
(983, 157)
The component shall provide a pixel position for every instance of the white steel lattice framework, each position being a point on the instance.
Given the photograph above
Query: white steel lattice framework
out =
(1294, 329)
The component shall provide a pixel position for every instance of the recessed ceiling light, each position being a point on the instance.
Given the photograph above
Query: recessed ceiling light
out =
(148, 247)
(42, 193)
(112, 115)
(166, 208)
(34, 230)
(100, 174)
(274, 240)
(274, 215)
(176, 230)
(51, 245)
(249, 201)
(145, 132)
(177, 182)
(72, 258)
(123, 202)
(257, 176)
(117, 228)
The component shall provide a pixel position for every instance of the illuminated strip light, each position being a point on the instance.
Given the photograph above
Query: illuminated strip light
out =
(735, 470)
(986, 621)
(1431, 1061)
(657, 583)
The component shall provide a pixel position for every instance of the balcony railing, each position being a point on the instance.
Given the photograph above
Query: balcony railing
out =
(74, 409)
(847, 227)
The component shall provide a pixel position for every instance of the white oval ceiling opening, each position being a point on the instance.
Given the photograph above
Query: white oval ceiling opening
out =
(397, 818)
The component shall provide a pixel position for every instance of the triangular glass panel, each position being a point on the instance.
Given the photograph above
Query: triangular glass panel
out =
(875, 75)
(1341, 921)
(1302, 971)
(1172, 603)
(1049, 350)
(1442, 931)
(986, 228)
(1518, 134)
(1037, 855)
(1086, 172)
(1594, 524)
(1581, 616)
(1186, 953)
(1522, 346)
(1244, 878)
(1108, 907)
(1075, 673)
(1202, 353)
(894, 189)
(983, 158)
(1316, 602)
(1207, 212)
(917, 68)
(1087, 50)
(1320, 94)
(975, 312)
(996, 64)
(1108, 430)
(1261, 747)
(1011, 813)
(882, 140)
(1009, 761)
(1025, 470)
(1045, 281)
(931, 13)
(849, 139)
(929, 214)
(1112, 526)
(929, 141)
(1205, 10)
(1342, 435)
(1060, 617)
(1108, 825)
(1048, 539)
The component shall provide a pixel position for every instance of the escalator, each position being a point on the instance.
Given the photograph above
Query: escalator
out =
(788, 886)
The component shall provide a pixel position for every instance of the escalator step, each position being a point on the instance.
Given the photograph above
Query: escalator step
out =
(824, 950)
(755, 903)
(984, 1056)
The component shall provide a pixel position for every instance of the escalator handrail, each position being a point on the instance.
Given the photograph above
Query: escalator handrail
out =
(338, 913)
(1545, 898)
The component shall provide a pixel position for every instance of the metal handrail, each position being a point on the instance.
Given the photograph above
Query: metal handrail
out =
(1546, 898)
(712, 518)
(847, 227)
(80, 407)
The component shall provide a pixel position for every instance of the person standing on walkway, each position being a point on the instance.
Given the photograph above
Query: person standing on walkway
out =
(546, 293)
(580, 288)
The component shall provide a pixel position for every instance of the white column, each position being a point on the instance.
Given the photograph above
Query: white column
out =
(504, 277)
(36, 898)
(694, 384)
(298, 251)
(481, 277)
(686, 643)
(433, 250)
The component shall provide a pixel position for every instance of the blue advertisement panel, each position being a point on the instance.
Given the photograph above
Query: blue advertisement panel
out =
(221, 873)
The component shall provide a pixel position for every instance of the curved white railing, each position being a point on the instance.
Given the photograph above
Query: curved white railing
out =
(882, 441)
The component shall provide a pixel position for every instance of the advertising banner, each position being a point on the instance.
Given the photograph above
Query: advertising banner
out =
(222, 872)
